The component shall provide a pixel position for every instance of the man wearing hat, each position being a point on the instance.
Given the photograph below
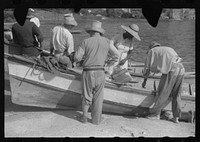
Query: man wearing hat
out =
(125, 42)
(94, 50)
(34, 19)
(25, 36)
(166, 61)
(62, 42)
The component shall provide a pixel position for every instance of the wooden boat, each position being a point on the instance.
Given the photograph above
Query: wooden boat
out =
(136, 69)
(34, 85)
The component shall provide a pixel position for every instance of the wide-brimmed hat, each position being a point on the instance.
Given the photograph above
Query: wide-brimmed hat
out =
(133, 29)
(96, 26)
(69, 19)
(153, 44)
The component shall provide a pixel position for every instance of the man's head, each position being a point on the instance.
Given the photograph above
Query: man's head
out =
(95, 28)
(131, 31)
(30, 13)
(127, 35)
(69, 21)
(154, 44)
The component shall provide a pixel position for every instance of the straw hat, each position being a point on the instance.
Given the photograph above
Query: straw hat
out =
(30, 13)
(133, 29)
(154, 44)
(31, 10)
(69, 19)
(96, 26)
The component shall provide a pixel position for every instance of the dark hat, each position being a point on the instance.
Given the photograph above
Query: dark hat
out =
(154, 44)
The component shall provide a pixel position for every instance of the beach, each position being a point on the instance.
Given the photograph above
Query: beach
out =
(24, 121)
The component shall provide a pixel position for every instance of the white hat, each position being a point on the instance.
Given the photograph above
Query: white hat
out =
(96, 26)
(30, 13)
(133, 29)
(31, 10)
(69, 19)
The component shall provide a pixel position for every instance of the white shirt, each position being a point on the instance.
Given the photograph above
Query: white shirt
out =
(123, 46)
(61, 40)
(36, 21)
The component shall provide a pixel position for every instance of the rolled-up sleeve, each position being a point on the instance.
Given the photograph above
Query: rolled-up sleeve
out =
(70, 43)
(147, 61)
(113, 51)
(37, 32)
(14, 35)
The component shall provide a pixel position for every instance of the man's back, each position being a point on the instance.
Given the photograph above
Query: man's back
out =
(96, 50)
(61, 40)
(24, 35)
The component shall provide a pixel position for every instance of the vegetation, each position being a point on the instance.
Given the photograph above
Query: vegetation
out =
(135, 13)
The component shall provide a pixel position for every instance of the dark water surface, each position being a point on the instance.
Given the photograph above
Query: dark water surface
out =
(179, 35)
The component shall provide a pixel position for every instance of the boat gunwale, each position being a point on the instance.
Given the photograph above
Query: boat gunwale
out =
(76, 77)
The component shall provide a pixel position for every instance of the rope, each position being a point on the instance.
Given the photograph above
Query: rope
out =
(27, 73)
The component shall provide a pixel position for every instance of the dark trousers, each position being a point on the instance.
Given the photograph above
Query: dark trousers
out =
(93, 92)
(31, 51)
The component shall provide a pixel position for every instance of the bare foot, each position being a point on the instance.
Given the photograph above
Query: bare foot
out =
(175, 120)
(82, 119)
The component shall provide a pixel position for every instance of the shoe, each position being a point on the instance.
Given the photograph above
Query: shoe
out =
(153, 116)
(83, 119)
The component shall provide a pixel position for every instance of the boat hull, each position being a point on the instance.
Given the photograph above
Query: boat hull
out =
(38, 87)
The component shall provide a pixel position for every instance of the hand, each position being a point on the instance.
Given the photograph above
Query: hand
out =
(122, 62)
(143, 84)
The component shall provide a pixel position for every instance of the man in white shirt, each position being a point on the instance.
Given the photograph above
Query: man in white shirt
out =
(34, 19)
(62, 42)
(124, 43)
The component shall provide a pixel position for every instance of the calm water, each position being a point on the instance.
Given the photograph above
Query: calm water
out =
(179, 35)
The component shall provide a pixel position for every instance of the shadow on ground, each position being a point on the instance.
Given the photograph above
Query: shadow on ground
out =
(10, 107)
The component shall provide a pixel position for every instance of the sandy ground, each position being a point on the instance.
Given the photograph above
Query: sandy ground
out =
(23, 121)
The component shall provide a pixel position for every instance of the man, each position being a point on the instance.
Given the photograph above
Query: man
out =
(25, 36)
(124, 43)
(94, 50)
(34, 19)
(165, 60)
(62, 42)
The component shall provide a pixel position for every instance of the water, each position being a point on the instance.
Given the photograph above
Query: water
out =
(179, 35)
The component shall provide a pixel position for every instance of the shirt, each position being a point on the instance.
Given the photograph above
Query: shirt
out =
(123, 46)
(25, 35)
(36, 21)
(62, 40)
(160, 59)
(95, 50)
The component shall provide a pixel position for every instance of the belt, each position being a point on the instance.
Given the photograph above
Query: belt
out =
(92, 69)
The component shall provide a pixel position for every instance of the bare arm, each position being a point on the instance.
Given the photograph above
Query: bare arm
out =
(146, 75)
(113, 51)
(79, 53)
(146, 69)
